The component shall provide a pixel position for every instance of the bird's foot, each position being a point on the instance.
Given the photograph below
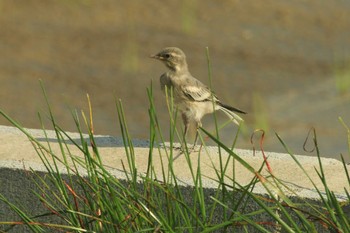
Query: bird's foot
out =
(183, 148)
(190, 148)
(196, 148)
(174, 146)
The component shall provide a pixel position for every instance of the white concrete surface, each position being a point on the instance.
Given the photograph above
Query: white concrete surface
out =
(17, 152)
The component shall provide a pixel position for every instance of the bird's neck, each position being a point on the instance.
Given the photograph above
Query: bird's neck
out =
(179, 69)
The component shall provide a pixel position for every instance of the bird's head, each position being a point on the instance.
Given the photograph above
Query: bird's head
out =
(174, 58)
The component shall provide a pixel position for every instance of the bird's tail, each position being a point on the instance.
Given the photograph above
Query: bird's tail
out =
(230, 112)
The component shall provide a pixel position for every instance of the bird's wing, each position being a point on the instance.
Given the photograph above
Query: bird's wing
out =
(198, 92)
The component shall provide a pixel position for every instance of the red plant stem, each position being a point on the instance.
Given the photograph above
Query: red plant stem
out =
(74, 194)
(261, 144)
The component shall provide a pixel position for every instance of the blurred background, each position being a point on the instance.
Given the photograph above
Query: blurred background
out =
(287, 63)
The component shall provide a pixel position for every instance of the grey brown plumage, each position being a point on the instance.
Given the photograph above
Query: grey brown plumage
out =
(192, 97)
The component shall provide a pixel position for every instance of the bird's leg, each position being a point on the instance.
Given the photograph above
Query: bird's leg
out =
(198, 124)
(195, 139)
(187, 124)
(185, 132)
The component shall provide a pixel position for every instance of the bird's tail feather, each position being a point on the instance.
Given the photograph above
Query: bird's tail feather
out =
(233, 116)
(232, 109)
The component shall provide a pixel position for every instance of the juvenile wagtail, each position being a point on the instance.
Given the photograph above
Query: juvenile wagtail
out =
(192, 98)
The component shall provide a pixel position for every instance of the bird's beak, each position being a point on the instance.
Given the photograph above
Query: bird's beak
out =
(156, 56)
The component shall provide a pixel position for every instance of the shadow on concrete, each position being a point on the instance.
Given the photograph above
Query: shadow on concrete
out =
(101, 141)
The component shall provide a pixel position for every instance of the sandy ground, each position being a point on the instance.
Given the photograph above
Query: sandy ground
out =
(274, 59)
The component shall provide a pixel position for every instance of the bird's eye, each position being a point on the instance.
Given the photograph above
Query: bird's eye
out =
(167, 55)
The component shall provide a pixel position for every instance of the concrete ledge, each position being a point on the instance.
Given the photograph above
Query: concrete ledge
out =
(17, 155)
(17, 152)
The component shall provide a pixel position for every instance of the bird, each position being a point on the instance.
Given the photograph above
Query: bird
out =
(192, 98)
